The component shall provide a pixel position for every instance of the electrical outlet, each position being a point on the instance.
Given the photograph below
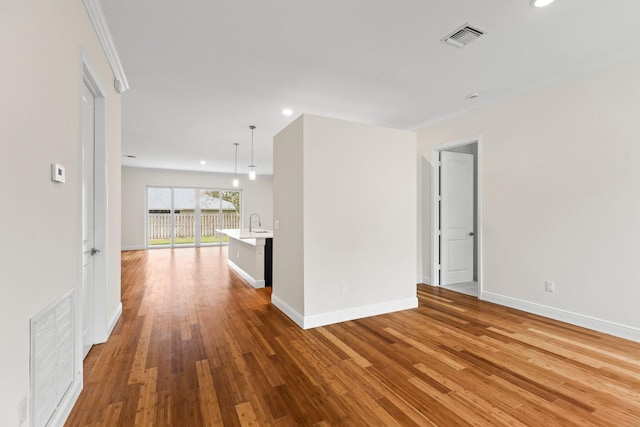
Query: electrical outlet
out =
(277, 224)
(22, 410)
(343, 288)
(549, 286)
(238, 255)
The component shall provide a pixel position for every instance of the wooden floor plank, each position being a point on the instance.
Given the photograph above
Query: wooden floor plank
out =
(198, 346)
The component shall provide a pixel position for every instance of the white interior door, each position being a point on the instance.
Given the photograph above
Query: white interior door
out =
(456, 218)
(88, 218)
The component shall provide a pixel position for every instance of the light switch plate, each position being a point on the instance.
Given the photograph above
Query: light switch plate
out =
(57, 172)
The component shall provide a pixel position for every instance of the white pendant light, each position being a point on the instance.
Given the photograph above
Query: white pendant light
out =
(236, 183)
(252, 172)
(541, 3)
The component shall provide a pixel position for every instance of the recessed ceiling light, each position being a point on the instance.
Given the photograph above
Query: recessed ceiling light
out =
(541, 3)
(287, 112)
(202, 162)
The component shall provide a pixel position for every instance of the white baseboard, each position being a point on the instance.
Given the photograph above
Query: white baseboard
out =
(246, 276)
(288, 310)
(62, 412)
(359, 312)
(611, 328)
(308, 322)
(132, 248)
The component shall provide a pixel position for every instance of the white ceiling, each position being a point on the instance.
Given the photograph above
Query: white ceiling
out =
(202, 71)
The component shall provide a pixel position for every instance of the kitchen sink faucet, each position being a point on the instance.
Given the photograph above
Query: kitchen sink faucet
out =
(251, 220)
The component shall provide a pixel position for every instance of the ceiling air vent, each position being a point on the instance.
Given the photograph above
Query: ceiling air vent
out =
(463, 36)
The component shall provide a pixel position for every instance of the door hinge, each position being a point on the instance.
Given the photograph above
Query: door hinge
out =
(439, 267)
(439, 233)
(439, 198)
(439, 163)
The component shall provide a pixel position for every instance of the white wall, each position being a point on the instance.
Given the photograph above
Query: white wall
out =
(288, 240)
(40, 46)
(359, 217)
(560, 197)
(257, 196)
(244, 254)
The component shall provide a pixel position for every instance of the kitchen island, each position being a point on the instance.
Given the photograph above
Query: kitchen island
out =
(250, 254)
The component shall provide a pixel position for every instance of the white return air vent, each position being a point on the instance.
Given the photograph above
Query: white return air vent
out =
(463, 36)
(52, 357)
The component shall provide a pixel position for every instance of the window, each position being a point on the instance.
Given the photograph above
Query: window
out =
(190, 216)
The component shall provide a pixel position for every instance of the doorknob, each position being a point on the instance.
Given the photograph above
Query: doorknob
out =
(95, 251)
(470, 234)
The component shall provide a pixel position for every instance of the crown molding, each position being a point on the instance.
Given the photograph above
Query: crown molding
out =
(94, 10)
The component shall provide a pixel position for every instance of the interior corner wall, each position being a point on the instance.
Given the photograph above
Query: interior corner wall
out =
(257, 197)
(560, 194)
(288, 238)
(40, 46)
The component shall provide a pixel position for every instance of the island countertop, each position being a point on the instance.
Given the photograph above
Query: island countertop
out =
(249, 254)
(244, 233)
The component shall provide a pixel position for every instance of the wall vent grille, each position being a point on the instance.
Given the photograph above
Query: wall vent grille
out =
(463, 36)
(52, 357)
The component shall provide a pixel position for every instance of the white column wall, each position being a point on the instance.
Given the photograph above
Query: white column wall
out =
(288, 240)
(359, 215)
(345, 196)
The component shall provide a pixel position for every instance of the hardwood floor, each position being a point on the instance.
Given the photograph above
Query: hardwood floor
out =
(197, 346)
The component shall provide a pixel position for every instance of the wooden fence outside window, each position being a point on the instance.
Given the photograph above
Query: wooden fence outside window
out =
(159, 224)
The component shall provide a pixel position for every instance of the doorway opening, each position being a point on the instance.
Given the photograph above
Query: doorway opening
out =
(456, 226)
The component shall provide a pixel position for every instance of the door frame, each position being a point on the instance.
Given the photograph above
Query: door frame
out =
(89, 76)
(435, 211)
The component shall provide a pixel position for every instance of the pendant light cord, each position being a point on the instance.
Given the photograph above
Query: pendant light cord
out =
(235, 170)
(252, 128)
